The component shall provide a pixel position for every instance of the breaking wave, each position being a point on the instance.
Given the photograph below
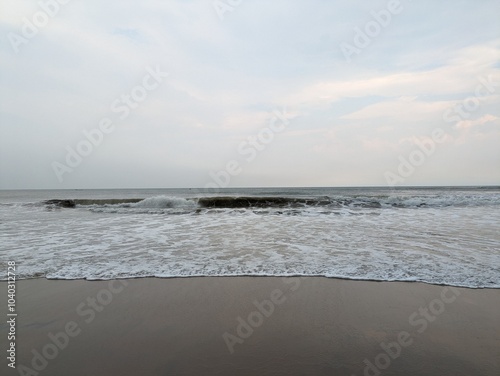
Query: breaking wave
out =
(280, 202)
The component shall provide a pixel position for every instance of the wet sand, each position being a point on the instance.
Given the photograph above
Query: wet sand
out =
(252, 326)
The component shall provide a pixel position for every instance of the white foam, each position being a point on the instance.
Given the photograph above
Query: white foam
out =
(161, 202)
(455, 246)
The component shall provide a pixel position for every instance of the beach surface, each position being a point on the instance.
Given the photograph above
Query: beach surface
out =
(251, 326)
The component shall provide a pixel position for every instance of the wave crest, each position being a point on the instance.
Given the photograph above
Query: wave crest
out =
(163, 202)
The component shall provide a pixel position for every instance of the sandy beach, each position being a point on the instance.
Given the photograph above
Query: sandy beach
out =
(252, 326)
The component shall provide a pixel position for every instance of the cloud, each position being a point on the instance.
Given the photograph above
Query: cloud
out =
(226, 79)
(480, 121)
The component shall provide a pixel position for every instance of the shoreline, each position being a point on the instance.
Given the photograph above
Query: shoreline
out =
(255, 276)
(253, 325)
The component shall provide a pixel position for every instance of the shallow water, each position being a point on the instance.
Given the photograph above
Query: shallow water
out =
(436, 235)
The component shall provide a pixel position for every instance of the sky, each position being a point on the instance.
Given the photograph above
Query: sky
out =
(248, 93)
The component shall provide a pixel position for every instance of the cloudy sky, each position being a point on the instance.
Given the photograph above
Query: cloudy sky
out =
(258, 93)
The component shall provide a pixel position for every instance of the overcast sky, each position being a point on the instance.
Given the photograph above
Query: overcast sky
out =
(275, 93)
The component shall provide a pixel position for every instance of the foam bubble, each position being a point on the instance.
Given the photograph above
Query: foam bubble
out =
(454, 245)
(161, 202)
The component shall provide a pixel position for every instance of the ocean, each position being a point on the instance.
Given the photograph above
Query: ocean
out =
(437, 235)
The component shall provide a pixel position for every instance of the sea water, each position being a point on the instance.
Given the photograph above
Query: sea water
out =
(445, 235)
